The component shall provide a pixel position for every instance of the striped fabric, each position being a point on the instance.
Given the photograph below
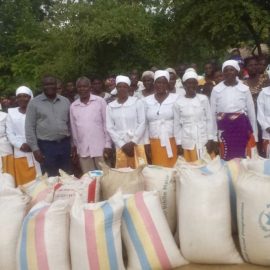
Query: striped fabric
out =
(146, 234)
(44, 241)
(95, 237)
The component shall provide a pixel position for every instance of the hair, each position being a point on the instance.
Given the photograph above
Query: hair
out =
(46, 76)
(96, 78)
(83, 78)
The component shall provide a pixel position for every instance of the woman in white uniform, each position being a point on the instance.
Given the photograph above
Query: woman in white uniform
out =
(125, 121)
(193, 124)
(26, 167)
(263, 106)
(160, 125)
(234, 114)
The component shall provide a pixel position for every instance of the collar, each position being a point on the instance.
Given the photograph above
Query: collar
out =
(44, 97)
(130, 101)
(239, 86)
(78, 102)
(266, 90)
(171, 98)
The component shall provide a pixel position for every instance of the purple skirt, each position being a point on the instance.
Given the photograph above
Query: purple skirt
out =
(235, 130)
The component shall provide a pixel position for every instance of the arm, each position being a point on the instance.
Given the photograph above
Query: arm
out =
(30, 126)
(209, 122)
(73, 127)
(177, 124)
(141, 122)
(213, 104)
(261, 112)
(110, 126)
(13, 139)
(108, 142)
(251, 114)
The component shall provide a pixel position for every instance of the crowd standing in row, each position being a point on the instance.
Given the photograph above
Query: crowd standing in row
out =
(167, 114)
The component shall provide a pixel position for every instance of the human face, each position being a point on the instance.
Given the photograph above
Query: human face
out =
(70, 87)
(23, 100)
(122, 90)
(134, 79)
(172, 81)
(49, 86)
(230, 74)
(97, 86)
(262, 65)
(208, 70)
(83, 89)
(191, 86)
(252, 67)
(181, 70)
(148, 82)
(161, 85)
(218, 77)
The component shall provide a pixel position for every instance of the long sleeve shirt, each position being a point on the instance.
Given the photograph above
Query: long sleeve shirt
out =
(88, 126)
(46, 120)
(126, 122)
(263, 103)
(233, 99)
(193, 124)
(5, 147)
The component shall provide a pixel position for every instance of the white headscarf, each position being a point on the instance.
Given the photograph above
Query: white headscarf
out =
(171, 70)
(231, 63)
(162, 73)
(122, 79)
(148, 73)
(24, 90)
(190, 75)
(190, 69)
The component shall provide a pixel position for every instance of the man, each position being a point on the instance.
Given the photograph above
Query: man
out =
(88, 125)
(47, 128)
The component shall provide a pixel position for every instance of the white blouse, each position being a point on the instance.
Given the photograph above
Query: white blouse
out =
(193, 124)
(233, 99)
(263, 103)
(16, 136)
(126, 122)
(159, 119)
(5, 147)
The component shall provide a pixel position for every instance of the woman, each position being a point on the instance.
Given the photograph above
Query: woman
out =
(255, 81)
(234, 114)
(125, 123)
(26, 167)
(159, 115)
(264, 119)
(172, 83)
(6, 152)
(193, 126)
(148, 83)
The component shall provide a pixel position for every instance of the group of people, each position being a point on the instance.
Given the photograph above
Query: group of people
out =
(169, 113)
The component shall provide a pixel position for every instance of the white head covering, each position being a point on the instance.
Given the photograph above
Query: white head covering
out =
(190, 69)
(190, 75)
(171, 70)
(24, 90)
(148, 73)
(231, 63)
(122, 79)
(162, 73)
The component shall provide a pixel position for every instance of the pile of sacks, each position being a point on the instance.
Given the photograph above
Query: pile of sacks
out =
(69, 223)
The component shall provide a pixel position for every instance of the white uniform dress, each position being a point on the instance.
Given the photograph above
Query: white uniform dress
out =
(159, 119)
(5, 147)
(126, 122)
(16, 136)
(233, 99)
(193, 124)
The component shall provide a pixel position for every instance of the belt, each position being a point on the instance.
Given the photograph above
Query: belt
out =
(55, 141)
